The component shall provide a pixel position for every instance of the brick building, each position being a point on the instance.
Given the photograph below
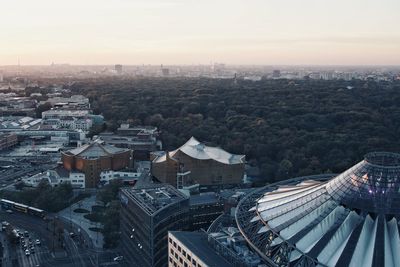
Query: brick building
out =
(92, 159)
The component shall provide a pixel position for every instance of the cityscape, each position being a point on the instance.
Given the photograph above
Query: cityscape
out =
(200, 134)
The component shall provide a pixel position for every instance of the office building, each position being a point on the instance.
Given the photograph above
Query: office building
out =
(118, 68)
(191, 249)
(146, 217)
(204, 209)
(276, 74)
(141, 139)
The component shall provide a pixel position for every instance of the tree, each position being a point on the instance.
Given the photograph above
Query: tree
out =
(41, 108)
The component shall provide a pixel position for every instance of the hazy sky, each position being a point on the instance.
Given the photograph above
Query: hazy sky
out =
(200, 31)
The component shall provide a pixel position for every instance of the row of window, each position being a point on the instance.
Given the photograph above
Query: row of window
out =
(180, 259)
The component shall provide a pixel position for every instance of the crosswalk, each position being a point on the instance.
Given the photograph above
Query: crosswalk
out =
(41, 257)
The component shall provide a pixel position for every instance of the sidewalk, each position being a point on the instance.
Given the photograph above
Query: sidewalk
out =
(7, 262)
(77, 218)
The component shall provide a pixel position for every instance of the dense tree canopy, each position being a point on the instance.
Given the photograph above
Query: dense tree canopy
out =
(286, 128)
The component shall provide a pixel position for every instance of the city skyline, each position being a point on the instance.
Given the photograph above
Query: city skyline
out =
(190, 32)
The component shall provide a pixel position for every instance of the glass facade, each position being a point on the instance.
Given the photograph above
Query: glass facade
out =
(348, 220)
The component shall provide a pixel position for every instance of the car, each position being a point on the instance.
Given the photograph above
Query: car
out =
(9, 211)
(37, 242)
(26, 233)
(32, 250)
(72, 234)
(27, 252)
(119, 258)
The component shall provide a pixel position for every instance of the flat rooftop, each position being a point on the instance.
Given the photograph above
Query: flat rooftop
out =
(154, 198)
(197, 243)
(204, 198)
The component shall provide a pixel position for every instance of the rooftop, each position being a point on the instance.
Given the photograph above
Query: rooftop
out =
(348, 220)
(197, 243)
(95, 150)
(204, 198)
(66, 112)
(155, 198)
(197, 150)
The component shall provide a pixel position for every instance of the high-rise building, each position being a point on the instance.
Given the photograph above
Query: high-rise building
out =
(118, 68)
(165, 72)
(146, 217)
(276, 74)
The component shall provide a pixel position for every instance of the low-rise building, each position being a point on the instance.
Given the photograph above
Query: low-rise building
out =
(126, 176)
(8, 140)
(56, 177)
(73, 102)
(78, 119)
(196, 163)
(94, 158)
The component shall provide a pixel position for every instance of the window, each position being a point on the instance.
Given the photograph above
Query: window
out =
(179, 249)
(184, 253)
(189, 257)
(174, 244)
(194, 262)
(180, 260)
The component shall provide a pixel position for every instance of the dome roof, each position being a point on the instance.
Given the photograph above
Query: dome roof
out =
(348, 220)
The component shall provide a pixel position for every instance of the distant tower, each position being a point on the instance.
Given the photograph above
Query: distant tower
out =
(118, 69)
(165, 71)
(235, 79)
(276, 74)
(1, 76)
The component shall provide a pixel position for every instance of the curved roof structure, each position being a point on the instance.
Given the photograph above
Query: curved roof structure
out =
(349, 220)
(95, 150)
(197, 150)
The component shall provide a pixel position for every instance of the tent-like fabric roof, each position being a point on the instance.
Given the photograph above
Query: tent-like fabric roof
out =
(95, 150)
(349, 220)
(197, 150)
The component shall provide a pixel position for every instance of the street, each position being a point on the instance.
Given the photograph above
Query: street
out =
(78, 250)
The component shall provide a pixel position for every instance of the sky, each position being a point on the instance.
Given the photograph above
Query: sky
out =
(261, 32)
